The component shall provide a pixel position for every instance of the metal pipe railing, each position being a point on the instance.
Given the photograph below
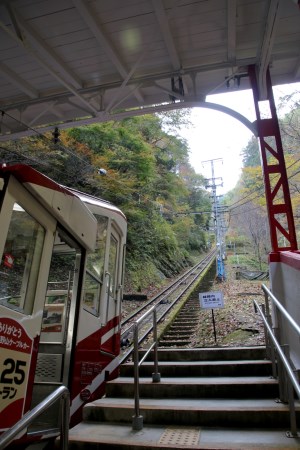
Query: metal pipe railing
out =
(291, 380)
(61, 393)
(137, 419)
(281, 309)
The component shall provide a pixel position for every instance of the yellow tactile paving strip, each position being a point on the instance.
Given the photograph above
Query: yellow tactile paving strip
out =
(182, 436)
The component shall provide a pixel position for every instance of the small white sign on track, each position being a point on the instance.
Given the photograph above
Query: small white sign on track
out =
(211, 300)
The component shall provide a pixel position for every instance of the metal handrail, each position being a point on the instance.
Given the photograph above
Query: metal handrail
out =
(280, 352)
(137, 419)
(292, 381)
(281, 308)
(61, 393)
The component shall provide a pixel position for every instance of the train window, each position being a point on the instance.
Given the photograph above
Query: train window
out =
(60, 289)
(91, 293)
(112, 264)
(95, 269)
(95, 261)
(21, 261)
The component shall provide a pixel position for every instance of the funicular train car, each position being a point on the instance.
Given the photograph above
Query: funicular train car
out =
(61, 279)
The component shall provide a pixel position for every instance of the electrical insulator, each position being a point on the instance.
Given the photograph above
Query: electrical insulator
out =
(56, 134)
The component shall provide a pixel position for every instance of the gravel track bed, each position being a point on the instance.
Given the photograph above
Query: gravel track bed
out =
(236, 324)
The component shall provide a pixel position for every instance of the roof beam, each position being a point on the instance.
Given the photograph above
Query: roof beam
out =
(297, 71)
(169, 92)
(143, 80)
(136, 112)
(265, 51)
(46, 51)
(121, 89)
(50, 107)
(102, 39)
(231, 30)
(21, 84)
(89, 19)
(166, 32)
(48, 68)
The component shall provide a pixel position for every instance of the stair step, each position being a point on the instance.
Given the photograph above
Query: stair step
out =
(151, 437)
(202, 368)
(185, 321)
(210, 354)
(212, 398)
(260, 413)
(172, 342)
(189, 326)
(172, 332)
(258, 387)
(192, 387)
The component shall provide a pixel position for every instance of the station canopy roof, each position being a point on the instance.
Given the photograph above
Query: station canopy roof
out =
(72, 62)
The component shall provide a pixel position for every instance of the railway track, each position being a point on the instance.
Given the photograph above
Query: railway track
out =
(164, 301)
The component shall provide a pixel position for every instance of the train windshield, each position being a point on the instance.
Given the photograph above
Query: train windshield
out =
(95, 269)
(21, 261)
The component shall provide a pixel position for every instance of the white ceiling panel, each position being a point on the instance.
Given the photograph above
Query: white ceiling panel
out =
(81, 61)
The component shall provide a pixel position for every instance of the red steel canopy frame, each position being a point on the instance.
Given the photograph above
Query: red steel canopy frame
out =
(279, 207)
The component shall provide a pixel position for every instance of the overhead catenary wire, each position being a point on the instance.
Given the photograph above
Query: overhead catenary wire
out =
(93, 169)
(261, 188)
(88, 165)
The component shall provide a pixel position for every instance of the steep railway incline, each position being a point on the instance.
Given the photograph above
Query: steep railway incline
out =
(207, 399)
(182, 328)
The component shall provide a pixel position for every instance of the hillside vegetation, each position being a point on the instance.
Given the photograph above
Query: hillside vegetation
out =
(141, 164)
(142, 169)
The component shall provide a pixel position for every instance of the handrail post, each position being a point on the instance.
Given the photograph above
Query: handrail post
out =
(65, 421)
(156, 374)
(137, 419)
(288, 382)
(266, 310)
(62, 394)
(290, 397)
(283, 391)
(269, 345)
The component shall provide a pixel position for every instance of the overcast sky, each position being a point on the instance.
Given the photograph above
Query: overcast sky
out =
(216, 135)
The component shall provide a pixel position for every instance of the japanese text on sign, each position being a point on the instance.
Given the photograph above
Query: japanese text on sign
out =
(211, 300)
(15, 355)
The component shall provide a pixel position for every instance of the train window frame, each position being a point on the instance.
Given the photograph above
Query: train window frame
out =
(25, 255)
(114, 251)
(15, 193)
(64, 245)
(54, 309)
(92, 295)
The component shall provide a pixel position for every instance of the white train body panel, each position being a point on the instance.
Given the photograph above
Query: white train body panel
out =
(61, 278)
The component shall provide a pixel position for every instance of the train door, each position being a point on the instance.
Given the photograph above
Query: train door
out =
(26, 240)
(114, 250)
(59, 315)
(101, 293)
(112, 281)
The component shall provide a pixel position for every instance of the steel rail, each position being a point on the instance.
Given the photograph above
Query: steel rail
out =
(169, 289)
(205, 262)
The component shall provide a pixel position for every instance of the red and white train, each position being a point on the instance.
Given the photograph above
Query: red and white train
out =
(61, 280)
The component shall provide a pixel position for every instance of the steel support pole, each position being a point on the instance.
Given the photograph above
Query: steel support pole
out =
(279, 206)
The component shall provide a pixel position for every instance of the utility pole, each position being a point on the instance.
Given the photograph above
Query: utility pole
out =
(218, 215)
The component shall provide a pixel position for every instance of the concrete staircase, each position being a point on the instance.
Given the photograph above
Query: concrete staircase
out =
(183, 327)
(206, 399)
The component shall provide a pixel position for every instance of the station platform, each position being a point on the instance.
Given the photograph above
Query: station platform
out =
(206, 399)
(153, 437)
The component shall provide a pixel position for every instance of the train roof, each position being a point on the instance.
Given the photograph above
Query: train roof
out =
(62, 203)
(97, 201)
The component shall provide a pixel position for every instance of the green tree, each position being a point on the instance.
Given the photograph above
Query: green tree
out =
(147, 174)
